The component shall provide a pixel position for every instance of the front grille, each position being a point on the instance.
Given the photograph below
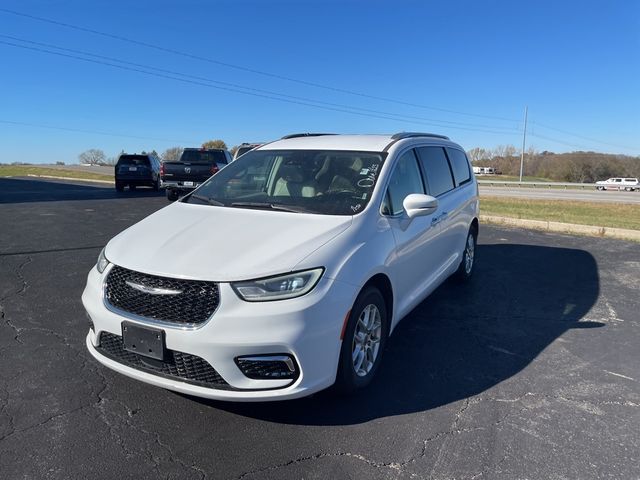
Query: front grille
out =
(177, 365)
(195, 303)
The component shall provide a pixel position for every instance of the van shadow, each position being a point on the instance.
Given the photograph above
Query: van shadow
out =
(23, 190)
(462, 340)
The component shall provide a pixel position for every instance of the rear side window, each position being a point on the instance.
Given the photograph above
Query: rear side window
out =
(205, 156)
(436, 168)
(459, 165)
(134, 160)
(406, 179)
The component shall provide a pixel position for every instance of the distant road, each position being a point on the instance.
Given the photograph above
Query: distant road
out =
(561, 194)
(515, 192)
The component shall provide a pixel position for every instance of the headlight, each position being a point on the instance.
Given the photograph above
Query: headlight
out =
(278, 288)
(102, 262)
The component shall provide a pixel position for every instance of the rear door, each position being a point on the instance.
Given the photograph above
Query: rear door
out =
(446, 180)
(134, 167)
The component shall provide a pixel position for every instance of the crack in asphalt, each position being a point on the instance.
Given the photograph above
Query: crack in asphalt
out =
(19, 292)
(390, 465)
(452, 431)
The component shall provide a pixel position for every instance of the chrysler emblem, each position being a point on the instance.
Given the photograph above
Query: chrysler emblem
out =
(152, 290)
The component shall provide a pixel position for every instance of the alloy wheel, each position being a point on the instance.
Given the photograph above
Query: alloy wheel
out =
(366, 340)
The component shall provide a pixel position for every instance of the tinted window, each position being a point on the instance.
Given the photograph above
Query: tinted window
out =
(459, 165)
(405, 180)
(134, 160)
(436, 168)
(204, 156)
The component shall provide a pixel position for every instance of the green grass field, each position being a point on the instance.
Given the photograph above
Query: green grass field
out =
(24, 170)
(583, 213)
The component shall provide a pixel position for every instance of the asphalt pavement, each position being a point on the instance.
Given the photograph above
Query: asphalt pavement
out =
(531, 370)
(607, 196)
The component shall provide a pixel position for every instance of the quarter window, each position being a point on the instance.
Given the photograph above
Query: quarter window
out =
(436, 168)
(459, 165)
(405, 180)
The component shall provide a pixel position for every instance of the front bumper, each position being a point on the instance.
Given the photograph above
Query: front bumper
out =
(308, 328)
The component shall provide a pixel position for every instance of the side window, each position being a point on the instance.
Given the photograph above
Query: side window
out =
(436, 168)
(459, 165)
(405, 179)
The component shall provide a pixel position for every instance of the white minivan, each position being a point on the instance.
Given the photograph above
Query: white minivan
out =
(285, 272)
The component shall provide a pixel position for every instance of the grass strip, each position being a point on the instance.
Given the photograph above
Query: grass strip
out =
(23, 171)
(615, 215)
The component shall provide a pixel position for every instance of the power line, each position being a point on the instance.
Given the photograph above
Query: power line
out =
(593, 140)
(247, 69)
(562, 142)
(268, 92)
(255, 94)
(94, 132)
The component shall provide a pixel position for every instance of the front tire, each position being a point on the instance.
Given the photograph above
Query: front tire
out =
(172, 195)
(364, 341)
(465, 270)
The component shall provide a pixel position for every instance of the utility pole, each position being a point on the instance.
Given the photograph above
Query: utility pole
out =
(524, 140)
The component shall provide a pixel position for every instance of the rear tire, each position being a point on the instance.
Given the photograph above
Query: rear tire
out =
(119, 187)
(465, 270)
(172, 195)
(132, 187)
(156, 185)
(364, 340)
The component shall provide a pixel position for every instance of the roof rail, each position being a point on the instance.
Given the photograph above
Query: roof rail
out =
(401, 135)
(298, 135)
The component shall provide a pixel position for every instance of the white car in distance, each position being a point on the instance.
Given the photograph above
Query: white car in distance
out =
(619, 183)
(286, 271)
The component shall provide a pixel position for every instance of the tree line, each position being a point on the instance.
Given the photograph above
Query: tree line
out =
(578, 166)
(95, 156)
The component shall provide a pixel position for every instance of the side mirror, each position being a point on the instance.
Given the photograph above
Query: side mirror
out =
(418, 205)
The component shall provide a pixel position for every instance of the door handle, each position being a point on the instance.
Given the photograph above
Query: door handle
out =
(439, 218)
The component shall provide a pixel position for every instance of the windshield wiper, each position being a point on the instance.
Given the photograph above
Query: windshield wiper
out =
(271, 206)
(208, 200)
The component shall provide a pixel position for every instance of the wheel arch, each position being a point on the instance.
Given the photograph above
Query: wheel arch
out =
(382, 282)
(475, 226)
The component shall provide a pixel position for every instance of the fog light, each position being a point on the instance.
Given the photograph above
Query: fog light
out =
(268, 367)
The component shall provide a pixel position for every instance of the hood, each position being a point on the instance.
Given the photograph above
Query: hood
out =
(221, 244)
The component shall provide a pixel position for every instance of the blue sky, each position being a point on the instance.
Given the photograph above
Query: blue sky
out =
(475, 65)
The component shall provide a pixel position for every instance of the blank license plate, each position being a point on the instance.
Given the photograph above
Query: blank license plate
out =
(133, 169)
(188, 184)
(145, 341)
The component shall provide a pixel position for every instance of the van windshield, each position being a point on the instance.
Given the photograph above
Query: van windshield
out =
(327, 182)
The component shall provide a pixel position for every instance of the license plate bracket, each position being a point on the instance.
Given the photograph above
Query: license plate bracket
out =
(146, 341)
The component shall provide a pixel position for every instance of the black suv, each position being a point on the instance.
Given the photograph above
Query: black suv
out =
(137, 171)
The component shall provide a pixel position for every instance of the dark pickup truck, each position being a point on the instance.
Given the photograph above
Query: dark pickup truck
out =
(195, 166)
